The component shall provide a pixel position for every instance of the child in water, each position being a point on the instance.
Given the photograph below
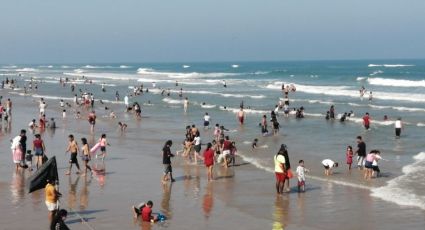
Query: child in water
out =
(254, 143)
(301, 170)
(349, 154)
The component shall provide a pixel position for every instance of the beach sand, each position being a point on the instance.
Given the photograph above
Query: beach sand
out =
(242, 197)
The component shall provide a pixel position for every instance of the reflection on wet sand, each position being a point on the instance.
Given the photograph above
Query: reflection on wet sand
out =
(72, 191)
(84, 193)
(99, 172)
(165, 202)
(17, 186)
(281, 212)
(192, 181)
(208, 200)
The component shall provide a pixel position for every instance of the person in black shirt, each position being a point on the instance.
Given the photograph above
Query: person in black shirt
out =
(166, 161)
(58, 223)
(23, 143)
(361, 152)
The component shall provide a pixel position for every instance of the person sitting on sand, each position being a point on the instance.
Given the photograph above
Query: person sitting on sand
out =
(145, 210)
(329, 164)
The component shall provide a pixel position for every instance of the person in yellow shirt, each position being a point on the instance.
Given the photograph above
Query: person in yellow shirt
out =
(52, 196)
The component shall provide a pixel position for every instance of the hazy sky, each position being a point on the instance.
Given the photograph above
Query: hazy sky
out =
(82, 31)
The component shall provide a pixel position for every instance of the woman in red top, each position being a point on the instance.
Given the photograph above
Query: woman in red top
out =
(39, 150)
(209, 161)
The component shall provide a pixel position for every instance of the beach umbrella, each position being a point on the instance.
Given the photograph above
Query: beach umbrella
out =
(48, 171)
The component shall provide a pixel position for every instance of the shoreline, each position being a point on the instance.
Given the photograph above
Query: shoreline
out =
(235, 196)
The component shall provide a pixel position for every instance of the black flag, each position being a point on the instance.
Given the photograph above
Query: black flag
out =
(48, 171)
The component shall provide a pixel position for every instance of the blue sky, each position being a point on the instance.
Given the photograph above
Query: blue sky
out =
(81, 31)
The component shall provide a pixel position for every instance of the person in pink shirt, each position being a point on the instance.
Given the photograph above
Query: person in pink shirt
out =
(368, 164)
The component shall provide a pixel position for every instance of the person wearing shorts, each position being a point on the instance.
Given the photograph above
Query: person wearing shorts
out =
(39, 150)
(52, 197)
(361, 152)
(166, 161)
(73, 149)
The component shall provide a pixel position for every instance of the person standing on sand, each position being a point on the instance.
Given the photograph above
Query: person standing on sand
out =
(73, 149)
(241, 116)
(209, 161)
(185, 104)
(166, 161)
(280, 170)
(361, 152)
(17, 151)
(287, 167)
(366, 121)
(52, 196)
(349, 155)
(398, 127)
(92, 120)
(39, 150)
(86, 156)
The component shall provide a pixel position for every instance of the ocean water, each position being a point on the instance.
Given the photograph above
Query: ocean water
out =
(398, 88)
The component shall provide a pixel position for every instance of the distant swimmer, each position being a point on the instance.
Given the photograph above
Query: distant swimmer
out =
(362, 92)
(241, 116)
(224, 84)
(343, 117)
(370, 96)
(332, 112)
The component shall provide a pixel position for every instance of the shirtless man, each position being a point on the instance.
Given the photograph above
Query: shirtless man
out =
(241, 116)
(73, 149)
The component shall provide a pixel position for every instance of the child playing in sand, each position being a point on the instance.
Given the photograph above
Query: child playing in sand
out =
(349, 154)
(301, 170)
(329, 164)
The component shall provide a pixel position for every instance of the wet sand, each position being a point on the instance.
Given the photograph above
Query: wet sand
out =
(242, 197)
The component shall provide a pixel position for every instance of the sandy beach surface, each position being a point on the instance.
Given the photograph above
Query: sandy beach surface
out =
(241, 197)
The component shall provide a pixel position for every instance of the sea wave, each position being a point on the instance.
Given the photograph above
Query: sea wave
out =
(26, 70)
(124, 66)
(399, 108)
(389, 65)
(395, 82)
(348, 92)
(181, 75)
(399, 191)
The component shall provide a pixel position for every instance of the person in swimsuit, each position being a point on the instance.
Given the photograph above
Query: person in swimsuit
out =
(73, 149)
(39, 150)
(92, 120)
(86, 156)
(241, 116)
(103, 143)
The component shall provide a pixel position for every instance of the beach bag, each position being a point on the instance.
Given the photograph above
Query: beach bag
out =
(44, 159)
(289, 173)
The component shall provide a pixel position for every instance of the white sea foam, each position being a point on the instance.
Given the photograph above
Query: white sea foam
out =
(208, 106)
(420, 124)
(46, 66)
(96, 67)
(65, 66)
(186, 66)
(180, 75)
(172, 101)
(26, 70)
(348, 92)
(361, 78)
(396, 82)
(398, 190)
(376, 72)
(10, 66)
(77, 71)
(52, 97)
(124, 66)
(389, 65)
(252, 111)
(235, 66)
